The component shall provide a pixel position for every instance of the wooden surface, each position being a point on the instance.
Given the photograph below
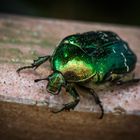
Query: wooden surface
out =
(23, 39)
(24, 122)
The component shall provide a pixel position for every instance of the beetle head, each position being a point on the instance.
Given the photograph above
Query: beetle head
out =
(55, 82)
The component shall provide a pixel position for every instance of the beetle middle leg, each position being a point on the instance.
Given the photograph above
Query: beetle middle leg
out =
(40, 60)
(72, 91)
(96, 98)
(98, 102)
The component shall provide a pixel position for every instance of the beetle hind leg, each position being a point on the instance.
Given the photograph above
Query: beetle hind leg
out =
(96, 98)
(125, 79)
(36, 63)
(98, 102)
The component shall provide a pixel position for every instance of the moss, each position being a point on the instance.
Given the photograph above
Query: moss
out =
(40, 43)
(9, 52)
(46, 44)
(25, 37)
(14, 55)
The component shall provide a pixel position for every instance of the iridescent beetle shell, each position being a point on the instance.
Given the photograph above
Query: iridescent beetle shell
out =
(92, 54)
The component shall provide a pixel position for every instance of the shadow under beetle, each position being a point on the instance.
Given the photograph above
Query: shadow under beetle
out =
(100, 56)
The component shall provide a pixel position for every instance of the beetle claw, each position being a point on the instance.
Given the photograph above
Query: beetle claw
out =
(67, 107)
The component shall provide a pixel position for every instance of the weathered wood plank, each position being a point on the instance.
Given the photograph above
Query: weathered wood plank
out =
(22, 39)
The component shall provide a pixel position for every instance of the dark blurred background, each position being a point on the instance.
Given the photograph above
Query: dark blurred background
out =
(110, 11)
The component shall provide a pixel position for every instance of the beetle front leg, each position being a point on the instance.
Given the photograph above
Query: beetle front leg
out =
(40, 60)
(72, 91)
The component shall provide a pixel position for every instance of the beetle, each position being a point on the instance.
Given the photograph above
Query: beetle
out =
(97, 56)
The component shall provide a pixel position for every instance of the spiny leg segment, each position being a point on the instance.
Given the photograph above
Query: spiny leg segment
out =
(121, 79)
(96, 98)
(98, 102)
(40, 60)
(72, 91)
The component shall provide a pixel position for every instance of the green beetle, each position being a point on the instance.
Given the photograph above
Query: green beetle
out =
(99, 57)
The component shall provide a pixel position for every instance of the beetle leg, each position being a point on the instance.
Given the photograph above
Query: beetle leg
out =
(121, 82)
(126, 79)
(40, 60)
(72, 91)
(96, 98)
(98, 102)
(112, 77)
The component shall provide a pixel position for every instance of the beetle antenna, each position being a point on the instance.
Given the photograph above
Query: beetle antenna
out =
(37, 80)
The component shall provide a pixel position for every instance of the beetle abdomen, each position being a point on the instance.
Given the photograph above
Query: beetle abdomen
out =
(124, 59)
(119, 60)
